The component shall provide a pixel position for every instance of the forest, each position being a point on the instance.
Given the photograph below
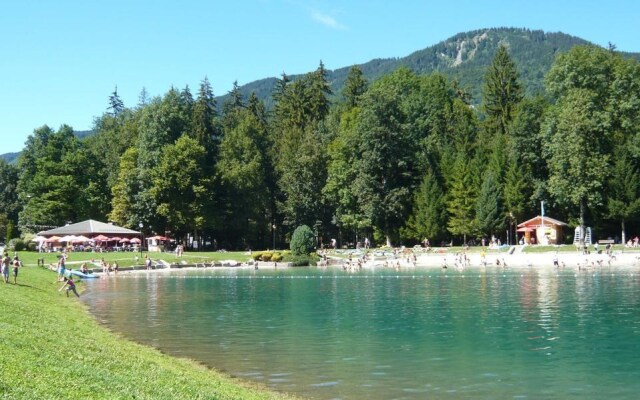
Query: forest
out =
(396, 160)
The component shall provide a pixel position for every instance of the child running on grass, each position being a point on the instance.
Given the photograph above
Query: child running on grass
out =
(71, 286)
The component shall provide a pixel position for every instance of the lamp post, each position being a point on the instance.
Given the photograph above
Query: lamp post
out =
(141, 225)
(273, 226)
(515, 236)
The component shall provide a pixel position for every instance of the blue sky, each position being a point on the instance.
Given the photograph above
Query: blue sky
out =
(60, 60)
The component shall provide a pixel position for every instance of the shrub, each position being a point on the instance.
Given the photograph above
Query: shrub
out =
(16, 245)
(301, 260)
(302, 241)
(277, 257)
(266, 256)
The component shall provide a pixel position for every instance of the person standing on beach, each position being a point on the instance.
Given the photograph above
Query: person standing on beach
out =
(6, 261)
(61, 268)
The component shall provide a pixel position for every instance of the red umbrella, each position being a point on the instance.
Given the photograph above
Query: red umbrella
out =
(101, 238)
(114, 239)
(135, 240)
(124, 240)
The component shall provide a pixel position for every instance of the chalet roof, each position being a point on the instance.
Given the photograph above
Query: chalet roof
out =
(89, 228)
(537, 222)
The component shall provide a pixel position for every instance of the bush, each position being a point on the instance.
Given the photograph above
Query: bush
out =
(301, 260)
(302, 241)
(16, 245)
(266, 256)
(277, 257)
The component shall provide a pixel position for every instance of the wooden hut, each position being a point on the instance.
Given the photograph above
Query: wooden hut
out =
(542, 230)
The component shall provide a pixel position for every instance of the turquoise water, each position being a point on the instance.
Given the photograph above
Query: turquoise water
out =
(382, 334)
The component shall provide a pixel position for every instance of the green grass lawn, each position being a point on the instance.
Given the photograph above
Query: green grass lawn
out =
(51, 348)
(126, 259)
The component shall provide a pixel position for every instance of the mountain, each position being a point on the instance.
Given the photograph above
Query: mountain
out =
(11, 158)
(463, 57)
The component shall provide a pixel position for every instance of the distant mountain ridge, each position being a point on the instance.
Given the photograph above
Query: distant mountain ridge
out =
(11, 158)
(463, 57)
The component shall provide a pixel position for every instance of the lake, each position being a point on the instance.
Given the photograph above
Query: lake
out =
(384, 334)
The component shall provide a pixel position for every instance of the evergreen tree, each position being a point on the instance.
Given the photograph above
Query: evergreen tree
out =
(354, 87)
(319, 92)
(116, 105)
(517, 190)
(257, 108)
(490, 215)
(429, 216)
(143, 97)
(235, 101)
(204, 113)
(502, 92)
(624, 190)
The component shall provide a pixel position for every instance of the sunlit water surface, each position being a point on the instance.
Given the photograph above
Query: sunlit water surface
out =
(384, 334)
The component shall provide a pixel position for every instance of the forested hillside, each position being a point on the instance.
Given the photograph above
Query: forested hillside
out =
(463, 57)
(396, 159)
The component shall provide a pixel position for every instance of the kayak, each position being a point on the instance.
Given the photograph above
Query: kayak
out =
(82, 275)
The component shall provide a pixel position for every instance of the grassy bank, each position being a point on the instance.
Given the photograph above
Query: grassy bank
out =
(50, 347)
(126, 259)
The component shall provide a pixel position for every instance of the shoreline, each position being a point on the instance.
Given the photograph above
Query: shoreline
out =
(457, 261)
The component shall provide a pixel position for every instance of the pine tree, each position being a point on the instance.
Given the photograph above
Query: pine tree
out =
(624, 190)
(203, 115)
(143, 97)
(502, 92)
(490, 215)
(429, 216)
(354, 86)
(319, 91)
(116, 105)
(461, 198)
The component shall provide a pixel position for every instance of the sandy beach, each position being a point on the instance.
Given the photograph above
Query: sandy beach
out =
(564, 259)
(434, 259)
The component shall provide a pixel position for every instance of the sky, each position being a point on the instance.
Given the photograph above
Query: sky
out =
(61, 60)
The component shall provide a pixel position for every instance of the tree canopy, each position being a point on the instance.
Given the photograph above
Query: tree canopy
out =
(397, 159)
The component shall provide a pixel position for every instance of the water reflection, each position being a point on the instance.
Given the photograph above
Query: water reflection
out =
(392, 334)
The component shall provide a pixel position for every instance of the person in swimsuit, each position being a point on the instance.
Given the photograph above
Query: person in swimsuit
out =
(6, 261)
(16, 264)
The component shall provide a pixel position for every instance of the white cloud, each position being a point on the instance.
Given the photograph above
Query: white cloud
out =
(327, 20)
